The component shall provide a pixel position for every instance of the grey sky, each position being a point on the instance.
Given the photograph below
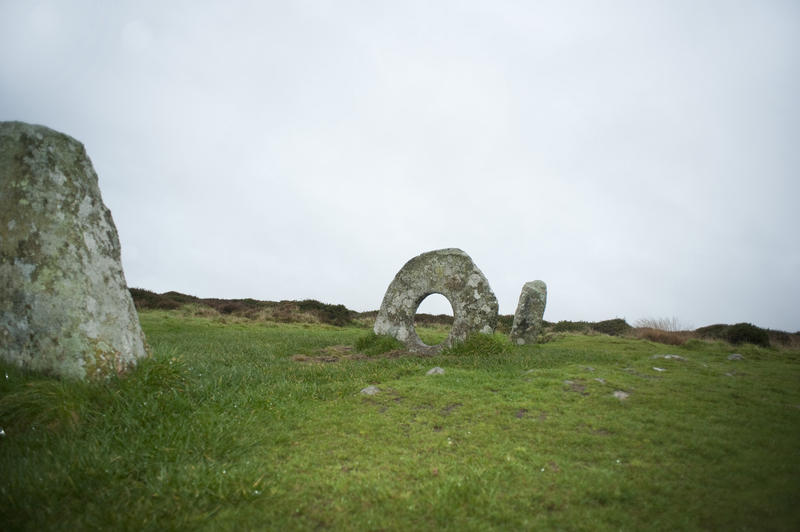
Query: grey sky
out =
(640, 157)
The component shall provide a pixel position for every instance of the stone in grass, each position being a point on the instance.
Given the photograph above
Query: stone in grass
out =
(451, 273)
(670, 357)
(735, 356)
(435, 371)
(530, 312)
(619, 394)
(370, 390)
(65, 308)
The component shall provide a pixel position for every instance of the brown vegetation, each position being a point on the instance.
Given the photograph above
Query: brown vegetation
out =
(306, 311)
(661, 336)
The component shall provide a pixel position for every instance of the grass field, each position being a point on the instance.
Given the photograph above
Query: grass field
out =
(226, 428)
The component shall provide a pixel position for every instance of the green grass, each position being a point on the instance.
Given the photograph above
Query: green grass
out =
(221, 429)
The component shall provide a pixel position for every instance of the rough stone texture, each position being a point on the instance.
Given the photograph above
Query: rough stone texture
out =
(530, 311)
(435, 371)
(735, 356)
(370, 390)
(65, 308)
(451, 273)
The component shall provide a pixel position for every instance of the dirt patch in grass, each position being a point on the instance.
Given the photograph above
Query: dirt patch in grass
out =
(449, 408)
(577, 387)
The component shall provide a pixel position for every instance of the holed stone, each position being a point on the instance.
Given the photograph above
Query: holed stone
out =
(451, 273)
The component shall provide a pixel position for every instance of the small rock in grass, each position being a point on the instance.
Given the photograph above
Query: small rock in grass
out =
(659, 369)
(619, 394)
(370, 390)
(735, 356)
(670, 357)
(435, 371)
(601, 381)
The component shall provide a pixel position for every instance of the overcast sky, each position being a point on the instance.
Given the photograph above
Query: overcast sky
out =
(640, 157)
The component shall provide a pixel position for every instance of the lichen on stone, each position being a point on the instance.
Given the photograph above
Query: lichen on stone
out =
(64, 304)
(530, 313)
(451, 273)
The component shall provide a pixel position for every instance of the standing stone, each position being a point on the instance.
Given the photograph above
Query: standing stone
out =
(451, 273)
(65, 308)
(530, 311)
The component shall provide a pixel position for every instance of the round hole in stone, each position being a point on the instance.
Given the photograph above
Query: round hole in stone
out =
(433, 319)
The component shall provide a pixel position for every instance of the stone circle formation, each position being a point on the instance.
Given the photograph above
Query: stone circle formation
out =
(65, 308)
(452, 273)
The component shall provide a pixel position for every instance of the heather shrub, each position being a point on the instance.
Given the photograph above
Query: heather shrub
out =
(332, 314)
(614, 327)
(427, 320)
(308, 311)
(145, 299)
(571, 326)
(740, 333)
(747, 333)
(716, 332)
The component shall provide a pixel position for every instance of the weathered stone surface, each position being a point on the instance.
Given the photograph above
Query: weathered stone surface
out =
(530, 311)
(435, 371)
(451, 273)
(65, 308)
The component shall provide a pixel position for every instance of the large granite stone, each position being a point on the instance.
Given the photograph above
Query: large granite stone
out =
(530, 311)
(65, 308)
(451, 273)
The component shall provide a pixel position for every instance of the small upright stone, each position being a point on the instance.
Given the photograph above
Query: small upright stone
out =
(65, 308)
(530, 311)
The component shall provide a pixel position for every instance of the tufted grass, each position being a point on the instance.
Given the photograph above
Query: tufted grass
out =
(223, 429)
